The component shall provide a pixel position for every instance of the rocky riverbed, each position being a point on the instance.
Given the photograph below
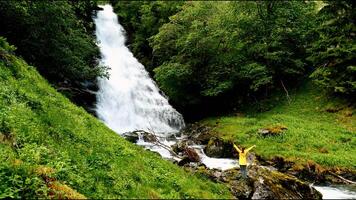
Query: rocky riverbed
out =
(197, 149)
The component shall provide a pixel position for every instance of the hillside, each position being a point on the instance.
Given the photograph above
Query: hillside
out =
(51, 148)
(316, 127)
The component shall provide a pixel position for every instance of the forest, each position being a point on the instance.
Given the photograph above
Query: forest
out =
(221, 55)
(280, 75)
(225, 55)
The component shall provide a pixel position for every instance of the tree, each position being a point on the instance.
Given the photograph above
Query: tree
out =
(142, 19)
(334, 50)
(52, 37)
(232, 50)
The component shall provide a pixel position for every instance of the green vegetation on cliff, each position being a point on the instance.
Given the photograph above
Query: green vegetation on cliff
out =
(50, 147)
(312, 127)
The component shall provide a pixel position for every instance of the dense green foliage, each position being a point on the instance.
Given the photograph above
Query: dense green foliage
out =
(141, 20)
(224, 54)
(319, 128)
(334, 51)
(55, 36)
(51, 148)
(231, 50)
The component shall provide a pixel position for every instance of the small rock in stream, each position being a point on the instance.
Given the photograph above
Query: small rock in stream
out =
(192, 154)
(134, 136)
(131, 137)
(180, 146)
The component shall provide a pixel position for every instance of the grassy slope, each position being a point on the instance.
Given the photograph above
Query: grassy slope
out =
(313, 134)
(48, 145)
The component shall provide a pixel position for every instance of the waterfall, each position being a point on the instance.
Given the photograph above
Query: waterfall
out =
(129, 99)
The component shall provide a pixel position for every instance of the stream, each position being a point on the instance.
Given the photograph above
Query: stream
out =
(130, 100)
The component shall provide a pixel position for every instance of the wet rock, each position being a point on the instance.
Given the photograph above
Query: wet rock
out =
(217, 174)
(184, 161)
(192, 154)
(281, 164)
(198, 133)
(149, 137)
(242, 189)
(231, 175)
(172, 137)
(270, 184)
(202, 138)
(309, 171)
(263, 183)
(81, 93)
(189, 156)
(180, 146)
(131, 137)
(134, 136)
(219, 148)
(349, 174)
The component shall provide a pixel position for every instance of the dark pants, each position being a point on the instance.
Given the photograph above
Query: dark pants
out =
(243, 170)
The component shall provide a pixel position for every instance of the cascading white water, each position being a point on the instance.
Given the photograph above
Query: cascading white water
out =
(337, 192)
(129, 100)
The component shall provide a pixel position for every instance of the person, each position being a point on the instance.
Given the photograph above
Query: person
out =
(243, 159)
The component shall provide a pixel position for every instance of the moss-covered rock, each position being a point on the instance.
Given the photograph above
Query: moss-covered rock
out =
(272, 130)
(219, 148)
(262, 183)
(269, 184)
(311, 171)
(199, 133)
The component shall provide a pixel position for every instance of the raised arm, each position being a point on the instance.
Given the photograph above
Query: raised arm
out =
(237, 149)
(250, 148)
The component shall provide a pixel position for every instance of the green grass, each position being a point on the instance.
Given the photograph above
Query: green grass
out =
(313, 134)
(41, 129)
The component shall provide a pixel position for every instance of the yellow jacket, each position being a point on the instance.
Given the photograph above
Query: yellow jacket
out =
(243, 155)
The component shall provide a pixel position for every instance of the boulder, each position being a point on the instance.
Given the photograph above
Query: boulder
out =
(180, 146)
(149, 137)
(184, 161)
(263, 183)
(242, 189)
(189, 155)
(192, 154)
(269, 184)
(131, 137)
(198, 133)
(202, 137)
(219, 148)
(272, 130)
(134, 136)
